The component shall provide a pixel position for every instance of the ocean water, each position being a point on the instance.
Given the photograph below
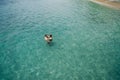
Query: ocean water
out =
(86, 40)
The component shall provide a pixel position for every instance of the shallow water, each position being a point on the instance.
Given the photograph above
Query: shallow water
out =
(86, 40)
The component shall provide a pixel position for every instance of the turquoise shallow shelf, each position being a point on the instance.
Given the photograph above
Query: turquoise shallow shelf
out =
(86, 40)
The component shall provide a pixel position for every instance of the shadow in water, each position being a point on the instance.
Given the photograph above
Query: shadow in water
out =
(51, 44)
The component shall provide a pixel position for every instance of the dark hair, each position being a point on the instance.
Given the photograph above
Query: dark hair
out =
(50, 35)
(45, 34)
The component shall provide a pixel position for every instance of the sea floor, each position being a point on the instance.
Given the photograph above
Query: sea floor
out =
(85, 46)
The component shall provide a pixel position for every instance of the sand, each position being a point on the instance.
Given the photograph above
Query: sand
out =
(111, 4)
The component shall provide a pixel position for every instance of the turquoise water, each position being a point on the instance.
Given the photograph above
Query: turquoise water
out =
(86, 40)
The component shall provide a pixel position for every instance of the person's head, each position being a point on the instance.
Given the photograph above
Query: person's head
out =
(45, 34)
(50, 35)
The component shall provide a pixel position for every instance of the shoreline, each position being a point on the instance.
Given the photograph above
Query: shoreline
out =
(111, 4)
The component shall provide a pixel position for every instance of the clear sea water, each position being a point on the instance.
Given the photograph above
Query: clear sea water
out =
(86, 40)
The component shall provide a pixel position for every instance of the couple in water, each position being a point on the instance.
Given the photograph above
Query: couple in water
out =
(48, 38)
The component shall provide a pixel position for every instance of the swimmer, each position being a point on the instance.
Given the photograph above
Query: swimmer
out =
(48, 38)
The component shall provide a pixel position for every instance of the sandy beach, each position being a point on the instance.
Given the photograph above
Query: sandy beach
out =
(111, 4)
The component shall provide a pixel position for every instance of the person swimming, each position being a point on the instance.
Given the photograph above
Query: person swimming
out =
(48, 38)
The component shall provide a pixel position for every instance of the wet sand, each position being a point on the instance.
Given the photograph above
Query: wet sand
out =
(111, 4)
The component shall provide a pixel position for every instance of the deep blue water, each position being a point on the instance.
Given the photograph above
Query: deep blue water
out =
(86, 40)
